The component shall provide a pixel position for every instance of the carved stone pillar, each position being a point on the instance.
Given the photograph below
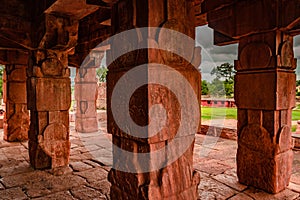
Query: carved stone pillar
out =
(86, 95)
(131, 119)
(265, 96)
(49, 94)
(16, 119)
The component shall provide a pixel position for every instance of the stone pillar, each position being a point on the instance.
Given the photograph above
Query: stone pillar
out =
(16, 119)
(86, 95)
(265, 95)
(135, 174)
(49, 94)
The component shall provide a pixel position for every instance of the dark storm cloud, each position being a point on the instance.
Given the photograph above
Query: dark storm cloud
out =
(212, 53)
(204, 36)
(297, 47)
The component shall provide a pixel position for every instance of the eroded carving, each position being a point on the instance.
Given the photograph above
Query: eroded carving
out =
(255, 56)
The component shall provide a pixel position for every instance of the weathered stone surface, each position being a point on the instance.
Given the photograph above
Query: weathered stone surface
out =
(86, 74)
(294, 187)
(252, 162)
(86, 91)
(264, 157)
(280, 83)
(79, 166)
(230, 181)
(93, 175)
(49, 94)
(212, 166)
(24, 178)
(258, 194)
(212, 189)
(102, 186)
(241, 196)
(86, 109)
(17, 92)
(86, 96)
(59, 195)
(16, 121)
(14, 168)
(53, 184)
(1, 187)
(178, 180)
(13, 193)
(49, 91)
(86, 124)
(224, 132)
(101, 99)
(84, 192)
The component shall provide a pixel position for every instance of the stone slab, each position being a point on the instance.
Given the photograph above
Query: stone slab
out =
(86, 91)
(17, 92)
(84, 192)
(13, 193)
(268, 91)
(80, 166)
(261, 195)
(49, 94)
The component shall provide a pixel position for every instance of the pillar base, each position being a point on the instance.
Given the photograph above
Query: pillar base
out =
(269, 174)
(86, 125)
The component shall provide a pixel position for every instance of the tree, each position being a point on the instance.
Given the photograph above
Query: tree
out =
(226, 71)
(216, 87)
(204, 87)
(101, 73)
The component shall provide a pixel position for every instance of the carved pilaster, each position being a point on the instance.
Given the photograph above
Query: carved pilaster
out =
(265, 96)
(49, 94)
(16, 119)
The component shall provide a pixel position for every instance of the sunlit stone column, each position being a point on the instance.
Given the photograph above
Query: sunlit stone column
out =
(265, 95)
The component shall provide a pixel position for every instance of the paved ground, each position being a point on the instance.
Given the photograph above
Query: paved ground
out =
(90, 162)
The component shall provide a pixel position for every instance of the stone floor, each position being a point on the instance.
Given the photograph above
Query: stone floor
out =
(91, 159)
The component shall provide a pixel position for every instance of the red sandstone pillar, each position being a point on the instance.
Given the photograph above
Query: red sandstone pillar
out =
(265, 95)
(16, 119)
(135, 174)
(86, 96)
(49, 94)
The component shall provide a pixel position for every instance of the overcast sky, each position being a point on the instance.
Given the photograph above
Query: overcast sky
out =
(214, 55)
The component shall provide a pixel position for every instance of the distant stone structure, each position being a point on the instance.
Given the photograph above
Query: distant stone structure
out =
(217, 102)
(101, 98)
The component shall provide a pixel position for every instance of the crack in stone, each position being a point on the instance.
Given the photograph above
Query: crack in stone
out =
(100, 163)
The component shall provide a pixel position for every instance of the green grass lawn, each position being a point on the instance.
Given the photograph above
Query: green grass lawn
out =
(231, 113)
(218, 113)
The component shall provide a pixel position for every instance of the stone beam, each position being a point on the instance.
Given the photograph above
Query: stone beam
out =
(76, 9)
(15, 57)
(132, 177)
(99, 3)
(49, 93)
(236, 19)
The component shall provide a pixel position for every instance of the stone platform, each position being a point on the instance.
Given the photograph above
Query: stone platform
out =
(91, 159)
